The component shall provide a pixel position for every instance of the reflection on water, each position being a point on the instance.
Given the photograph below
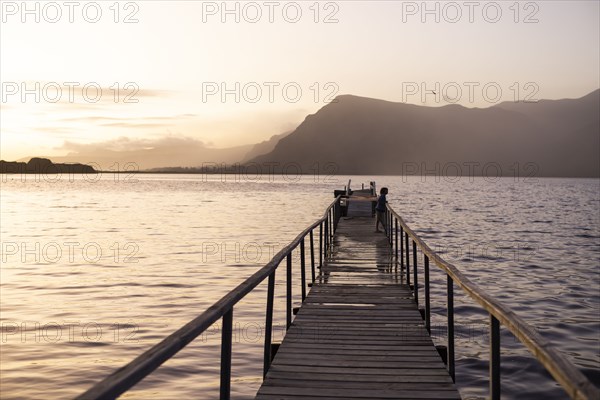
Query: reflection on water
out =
(93, 273)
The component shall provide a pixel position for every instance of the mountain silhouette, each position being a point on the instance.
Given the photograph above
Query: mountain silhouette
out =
(361, 135)
(264, 147)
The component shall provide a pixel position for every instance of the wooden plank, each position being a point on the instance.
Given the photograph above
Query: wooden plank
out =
(359, 371)
(439, 379)
(329, 362)
(356, 331)
(300, 397)
(326, 327)
(354, 384)
(344, 393)
(362, 341)
(367, 353)
(321, 348)
(343, 347)
(432, 358)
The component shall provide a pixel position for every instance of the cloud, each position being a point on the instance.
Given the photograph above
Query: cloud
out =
(89, 95)
(144, 123)
(166, 151)
(134, 126)
(125, 144)
(100, 118)
(55, 129)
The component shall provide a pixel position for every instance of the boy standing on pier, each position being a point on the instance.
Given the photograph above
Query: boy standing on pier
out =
(380, 208)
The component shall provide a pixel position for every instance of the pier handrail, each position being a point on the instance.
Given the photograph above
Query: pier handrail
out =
(128, 376)
(572, 380)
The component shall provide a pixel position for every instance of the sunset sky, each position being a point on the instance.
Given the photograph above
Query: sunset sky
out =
(179, 55)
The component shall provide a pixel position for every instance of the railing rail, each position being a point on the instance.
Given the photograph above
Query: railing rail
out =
(128, 376)
(573, 381)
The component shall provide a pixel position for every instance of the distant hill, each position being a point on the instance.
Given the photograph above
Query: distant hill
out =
(143, 155)
(43, 166)
(368, 136)
(264, 147)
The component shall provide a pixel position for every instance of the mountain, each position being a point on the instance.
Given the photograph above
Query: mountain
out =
(358, 135)
(264, 147)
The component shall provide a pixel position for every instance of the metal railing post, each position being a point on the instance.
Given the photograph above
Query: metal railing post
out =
(334, 215)
(495, 387)
(320, 245)
(401, 246)
(427, 296)
(326, 244)
(303, 269)
(269, 323)
(288, 313)
(312, 256)
(407, 259)
(333, 218)
(226, 339)
(390, 225)
(450, 311)
(386, 226)
(331, 225)
(415, 274)
(396, 239)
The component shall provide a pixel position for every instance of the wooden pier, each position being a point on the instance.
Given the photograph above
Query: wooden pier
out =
(358, 334)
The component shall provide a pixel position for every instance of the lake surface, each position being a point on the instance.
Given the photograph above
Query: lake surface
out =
(95, 271)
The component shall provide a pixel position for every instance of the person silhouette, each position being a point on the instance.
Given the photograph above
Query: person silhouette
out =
(380, 208)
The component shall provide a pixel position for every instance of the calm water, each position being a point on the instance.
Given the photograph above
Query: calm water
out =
(93, 273)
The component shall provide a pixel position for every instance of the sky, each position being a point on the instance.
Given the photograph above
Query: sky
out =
(113, 75)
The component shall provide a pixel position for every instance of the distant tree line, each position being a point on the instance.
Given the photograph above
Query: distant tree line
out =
(43, 166)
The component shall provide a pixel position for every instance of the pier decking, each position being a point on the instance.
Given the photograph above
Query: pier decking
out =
(358, 334)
